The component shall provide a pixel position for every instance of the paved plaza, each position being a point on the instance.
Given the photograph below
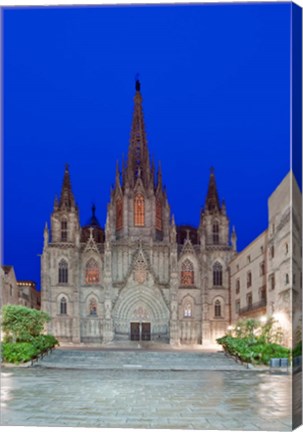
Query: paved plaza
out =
(145, 389)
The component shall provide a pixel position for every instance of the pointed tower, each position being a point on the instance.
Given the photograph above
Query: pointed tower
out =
(214, 223)
(138, 163)
(138, 207)
(65, 218)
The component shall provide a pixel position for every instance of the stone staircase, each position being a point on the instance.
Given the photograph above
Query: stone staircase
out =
(126, 359)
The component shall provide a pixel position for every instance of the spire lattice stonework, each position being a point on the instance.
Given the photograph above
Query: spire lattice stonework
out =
(212, 200)
(67, 199)
(138, 164)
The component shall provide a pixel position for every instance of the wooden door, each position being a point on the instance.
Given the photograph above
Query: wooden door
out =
(146, 331)
(135, 331)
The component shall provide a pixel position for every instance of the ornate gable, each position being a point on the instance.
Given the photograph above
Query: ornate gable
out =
(91, 245)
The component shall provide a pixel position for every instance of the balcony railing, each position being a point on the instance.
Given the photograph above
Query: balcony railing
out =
(253, 306)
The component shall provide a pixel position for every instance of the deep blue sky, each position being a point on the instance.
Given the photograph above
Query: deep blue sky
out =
(215, 82)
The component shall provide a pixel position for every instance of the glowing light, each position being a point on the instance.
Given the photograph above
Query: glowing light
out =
(263, 319)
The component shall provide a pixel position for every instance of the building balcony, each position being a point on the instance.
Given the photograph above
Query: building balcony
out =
(253, 307)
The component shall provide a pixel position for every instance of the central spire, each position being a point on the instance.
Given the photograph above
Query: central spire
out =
(138, 164)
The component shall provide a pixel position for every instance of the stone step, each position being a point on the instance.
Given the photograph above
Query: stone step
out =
(143, 360)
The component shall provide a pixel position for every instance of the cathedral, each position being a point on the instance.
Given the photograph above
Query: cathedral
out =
(140, 278)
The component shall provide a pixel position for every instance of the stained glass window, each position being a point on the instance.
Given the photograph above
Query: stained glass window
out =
(139, 210)
(92, 272)
(63, 306)
(217, 308)
(216, 233)
(187, 273)
(93, 307)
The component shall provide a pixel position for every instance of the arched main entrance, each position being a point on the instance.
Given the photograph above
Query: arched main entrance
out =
(140, 313)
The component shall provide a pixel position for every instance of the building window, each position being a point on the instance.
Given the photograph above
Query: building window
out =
(216, 233)
(262, 268)
(272, 251)
(248, 258)
(187, 273)
(237, 306)
(92, 272)
(272, 281)
(119, 214)
(249, 279)
(217, 274)
(139, 210)
(63, 271)
(237, 286)
(187, 311)
(249, 300)
(63, 306)
(159, 215)
(93, 307)
(263, 294)
(63, 231)
(218, 309)
(286, 279)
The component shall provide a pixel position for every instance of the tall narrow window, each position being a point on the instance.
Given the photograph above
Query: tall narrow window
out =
(92, 272)
(187, 273)
(249, 279)
(272, 281)
(217, 274)
(63, 272)
(93, 307)
(218, 308)
(63, 306)
(216, 233)
(159, 215)
(286, 279)
(139, 210)
(249, 301)
(187, 312)
(237, 286)
(63, 231)
(262, 268)
(119, 214)
(237, 306)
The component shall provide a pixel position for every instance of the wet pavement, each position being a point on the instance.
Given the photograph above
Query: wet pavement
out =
(177, 390)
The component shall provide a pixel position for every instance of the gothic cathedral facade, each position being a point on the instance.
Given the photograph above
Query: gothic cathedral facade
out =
(142, 277)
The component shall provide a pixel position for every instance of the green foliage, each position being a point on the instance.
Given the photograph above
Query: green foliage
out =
(252, 349)
(21, 352)
(297, 351)
(21, 324)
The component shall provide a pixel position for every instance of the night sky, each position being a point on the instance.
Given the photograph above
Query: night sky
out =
(215, 81)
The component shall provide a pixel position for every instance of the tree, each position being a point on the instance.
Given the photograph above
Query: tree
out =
(21, 324)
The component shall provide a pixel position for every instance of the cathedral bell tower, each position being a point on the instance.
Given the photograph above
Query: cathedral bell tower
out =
(65, 217)
(138, 207)
(214, 223)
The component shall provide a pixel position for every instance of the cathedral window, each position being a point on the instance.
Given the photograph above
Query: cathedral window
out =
(63, 271)
(119, 214)
(216, 233)
(187, 311)
(249, 301)
(217, 274)
(139, 210)
(218, 312)
(92, 272)
(187, 273)
(286, 279)
(159, 215)
(63, 306)
(93, 307)
(63, 231)
(262, 268)
(272, 281)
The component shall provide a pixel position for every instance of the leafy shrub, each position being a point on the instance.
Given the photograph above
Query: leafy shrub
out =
(21, 352)
(253, 350)
(22, 324)
(18, 352)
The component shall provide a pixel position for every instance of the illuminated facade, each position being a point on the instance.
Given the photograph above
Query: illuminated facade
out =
(143, 277)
